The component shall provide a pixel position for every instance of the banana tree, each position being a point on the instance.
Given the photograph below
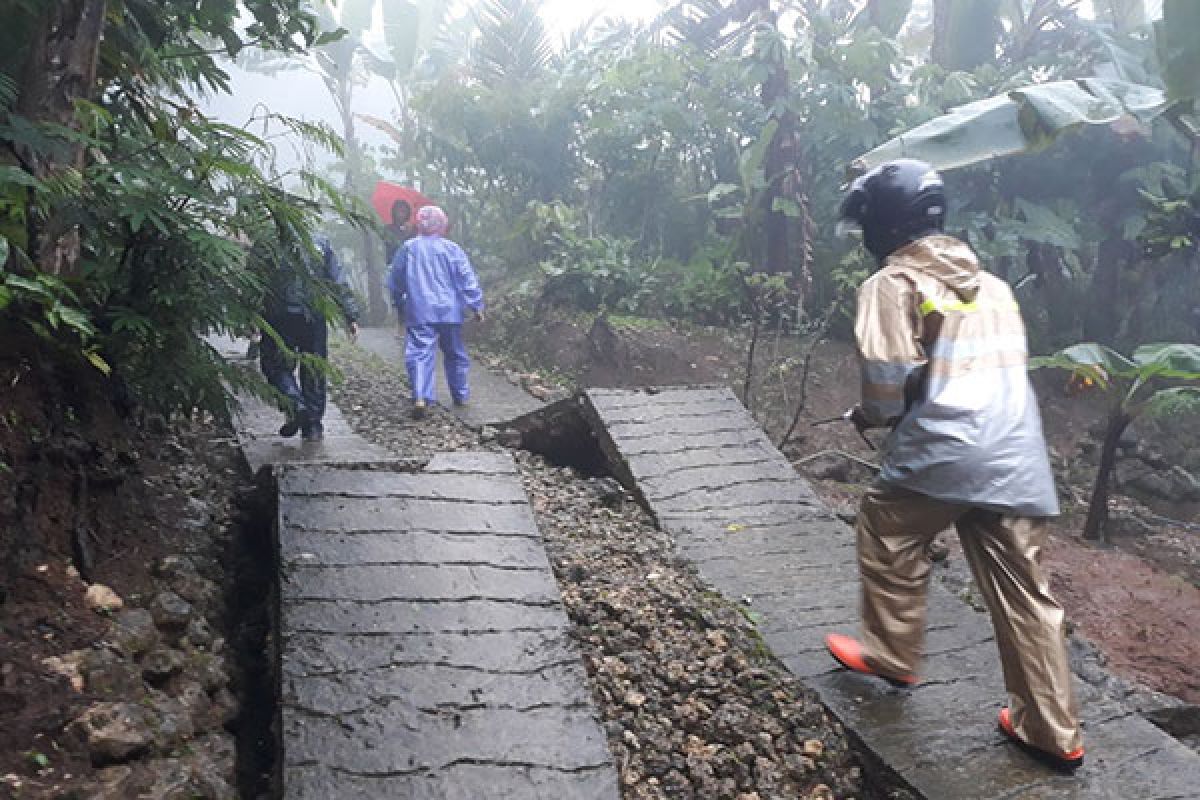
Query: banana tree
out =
(1157, 378)
(1030, 118)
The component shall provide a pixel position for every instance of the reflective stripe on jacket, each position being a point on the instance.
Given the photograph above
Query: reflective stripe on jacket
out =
(942, 348)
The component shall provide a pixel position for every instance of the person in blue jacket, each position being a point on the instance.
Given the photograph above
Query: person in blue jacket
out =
(294, 310)
(432, 280)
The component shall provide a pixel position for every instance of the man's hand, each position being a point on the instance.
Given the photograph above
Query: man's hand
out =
(354, 331)
(859, 418)
(479, 315)
(861, 424)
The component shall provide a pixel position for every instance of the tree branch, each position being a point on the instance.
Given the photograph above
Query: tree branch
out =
(802, 402)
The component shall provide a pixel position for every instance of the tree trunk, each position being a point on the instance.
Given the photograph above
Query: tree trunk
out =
(778, 167)
(748, 381)
(1102, 317)
(889, 15)
(376, 307)
(1097, 517)
(1062, 312)
(965, 33)
(779, 162)
(60, 69)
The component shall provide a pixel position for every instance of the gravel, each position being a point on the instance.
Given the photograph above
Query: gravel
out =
(693, 704)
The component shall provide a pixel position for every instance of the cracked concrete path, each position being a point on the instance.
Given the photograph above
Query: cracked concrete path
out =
(424, 649)
(493, 399)
(757, 532)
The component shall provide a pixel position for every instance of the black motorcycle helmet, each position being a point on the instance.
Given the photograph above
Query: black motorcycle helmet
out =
(896, 203)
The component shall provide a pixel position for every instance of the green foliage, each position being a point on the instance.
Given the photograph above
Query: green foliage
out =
(153, 217)
(602, 272)
(656, 140)
(1172, 220)
(596, 272)
(1158, 379)
(1137, 382)
(512, 46)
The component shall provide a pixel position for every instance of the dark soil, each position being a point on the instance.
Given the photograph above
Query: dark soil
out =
(85, 498)
(42, 613)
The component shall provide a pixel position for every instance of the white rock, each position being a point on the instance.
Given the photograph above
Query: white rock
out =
(102, 600)
(68, 667)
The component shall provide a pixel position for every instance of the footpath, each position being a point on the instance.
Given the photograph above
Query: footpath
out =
(494, 401)
(424, 652)
(755, 530)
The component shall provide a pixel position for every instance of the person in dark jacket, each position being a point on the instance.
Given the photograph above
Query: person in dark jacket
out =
(399, 230)
(295, 312)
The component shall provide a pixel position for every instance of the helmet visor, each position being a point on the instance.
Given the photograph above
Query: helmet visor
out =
(853, 210)
(848, 228)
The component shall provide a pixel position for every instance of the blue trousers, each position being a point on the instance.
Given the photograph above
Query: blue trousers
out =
(419, 356)
(304, 335)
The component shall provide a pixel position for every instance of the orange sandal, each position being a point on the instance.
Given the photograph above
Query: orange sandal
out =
(1065, 762)
(848, 652)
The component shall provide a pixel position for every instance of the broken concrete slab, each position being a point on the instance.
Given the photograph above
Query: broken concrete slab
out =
(421, 631)
(756, 531)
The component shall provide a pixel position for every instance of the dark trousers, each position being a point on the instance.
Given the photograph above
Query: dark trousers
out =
(303, 335)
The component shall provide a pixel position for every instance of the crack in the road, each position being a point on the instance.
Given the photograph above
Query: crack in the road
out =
(420, 664)
(305, 564)
(464, 762)
(551, 603)
(710, 488)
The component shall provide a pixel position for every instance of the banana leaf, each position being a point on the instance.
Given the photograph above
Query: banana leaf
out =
(1030, 118)
(1023, 120)
(1169, 360)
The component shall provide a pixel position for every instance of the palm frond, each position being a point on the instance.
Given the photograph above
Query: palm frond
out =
(512, 46)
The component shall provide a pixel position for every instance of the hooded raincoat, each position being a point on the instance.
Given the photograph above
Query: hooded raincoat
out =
(432, 280)
(943, 354)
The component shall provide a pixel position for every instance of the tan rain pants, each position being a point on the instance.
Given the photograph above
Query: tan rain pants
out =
(895, 527)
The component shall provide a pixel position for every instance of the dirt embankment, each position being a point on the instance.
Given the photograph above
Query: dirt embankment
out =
(116, 675)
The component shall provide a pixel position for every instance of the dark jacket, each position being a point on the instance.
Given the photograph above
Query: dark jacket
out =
(299, 283)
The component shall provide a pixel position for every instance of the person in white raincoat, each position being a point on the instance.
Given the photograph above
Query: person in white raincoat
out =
(942, 350)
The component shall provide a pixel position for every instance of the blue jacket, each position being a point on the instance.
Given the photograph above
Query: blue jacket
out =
(432, 279)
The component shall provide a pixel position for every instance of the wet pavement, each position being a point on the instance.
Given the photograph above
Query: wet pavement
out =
(493, 399)
(425, 652)
(756, 531)
(424, 649)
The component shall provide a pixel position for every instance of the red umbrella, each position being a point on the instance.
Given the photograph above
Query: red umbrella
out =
(386, 194)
